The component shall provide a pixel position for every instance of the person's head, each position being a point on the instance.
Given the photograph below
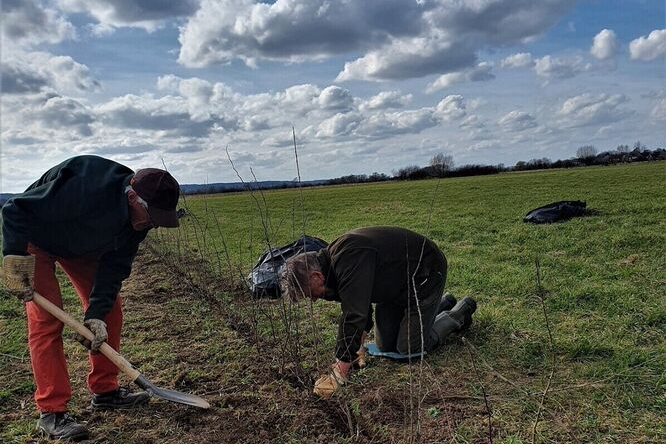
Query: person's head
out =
(302, 277)
(159, 192)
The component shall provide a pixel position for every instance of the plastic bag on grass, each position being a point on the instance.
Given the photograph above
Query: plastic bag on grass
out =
(264, 278)
(556, 211)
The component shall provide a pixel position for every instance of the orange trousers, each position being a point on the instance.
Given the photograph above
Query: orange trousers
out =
(45, 332)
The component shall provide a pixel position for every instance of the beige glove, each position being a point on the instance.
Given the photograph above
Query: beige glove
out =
(19, 275)
(328, 384)
(98, 327)
(361, 357)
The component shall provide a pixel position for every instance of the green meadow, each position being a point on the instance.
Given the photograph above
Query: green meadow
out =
(602, 287)
(603, 278)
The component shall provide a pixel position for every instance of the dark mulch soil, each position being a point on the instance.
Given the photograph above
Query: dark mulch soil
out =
(181, 339)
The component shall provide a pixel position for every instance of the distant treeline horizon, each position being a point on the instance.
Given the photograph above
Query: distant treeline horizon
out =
(440, 166)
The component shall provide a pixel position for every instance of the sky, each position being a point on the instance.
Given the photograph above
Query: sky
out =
(366, 85)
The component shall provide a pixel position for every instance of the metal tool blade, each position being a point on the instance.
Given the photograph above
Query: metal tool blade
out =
(171, 395)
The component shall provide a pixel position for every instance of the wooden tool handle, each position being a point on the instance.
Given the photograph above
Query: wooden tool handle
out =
(105, 348)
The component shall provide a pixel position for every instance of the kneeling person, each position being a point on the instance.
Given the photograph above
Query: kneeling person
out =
(400, 271)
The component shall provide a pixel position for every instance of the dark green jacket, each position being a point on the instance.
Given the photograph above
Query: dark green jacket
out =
(377, 265)
(75, 209)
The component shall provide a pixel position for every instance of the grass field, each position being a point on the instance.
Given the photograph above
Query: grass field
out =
(603, 283)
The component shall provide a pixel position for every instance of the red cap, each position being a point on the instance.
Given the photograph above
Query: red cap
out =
(161, 191)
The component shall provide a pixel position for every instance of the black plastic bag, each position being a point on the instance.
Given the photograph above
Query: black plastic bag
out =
(264, 279)
(556, 211)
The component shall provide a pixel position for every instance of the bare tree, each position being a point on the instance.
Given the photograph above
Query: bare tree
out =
(586, 151)
(623, 149)
(441, 163)
(406, 172)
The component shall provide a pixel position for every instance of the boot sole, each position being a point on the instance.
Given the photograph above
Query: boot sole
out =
(78, 437)
(118, 407)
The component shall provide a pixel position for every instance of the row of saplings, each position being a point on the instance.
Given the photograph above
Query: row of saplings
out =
(89, 214)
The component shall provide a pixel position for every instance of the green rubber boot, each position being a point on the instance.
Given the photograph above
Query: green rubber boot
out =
(458, 319)
(447, 302)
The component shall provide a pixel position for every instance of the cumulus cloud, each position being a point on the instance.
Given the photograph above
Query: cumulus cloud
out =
(165, 114)
(69, 74)
(270, 158)
(604, 45)
(519, 60)
(302, 98)
(383, 125)
(16, 137)
(168, 83)
(184, 149)
(223, 30)
(335, 98)
(650, 47)
(64, 112)
(517, 121)
(201, 96)
(475, 128)
(479, 73)
(255, 124)
(593, 109)
(397, 39)
(99, 29)
(451, 108)
(30, 22)
(338, 125)
(471, 122)
(198, 94)
(21, 79)
(43, 119)
(280, 140)
(146, 14)
(372, 118)
(405, 59)
(485, 145)
(378, 125)
(120, 148)
(29, 72)
(552, 68)
(386, 100)
(204, 98)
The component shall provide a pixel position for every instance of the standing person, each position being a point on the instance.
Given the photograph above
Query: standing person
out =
(89, 215)
(400, 271)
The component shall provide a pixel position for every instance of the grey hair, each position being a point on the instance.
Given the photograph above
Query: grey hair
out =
(295, 276)
(138, 198)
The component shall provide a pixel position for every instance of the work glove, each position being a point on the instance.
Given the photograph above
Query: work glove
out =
(328, 384)
(98, 328)
(361, 357)
(19, 275)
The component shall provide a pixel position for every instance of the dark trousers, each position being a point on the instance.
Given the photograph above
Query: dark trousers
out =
(409, 329)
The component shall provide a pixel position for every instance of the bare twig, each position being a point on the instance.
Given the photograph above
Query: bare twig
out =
(411, 283)
(316, 331)
(344, 407)
(483, 390)
(541, 296)
(499, 375)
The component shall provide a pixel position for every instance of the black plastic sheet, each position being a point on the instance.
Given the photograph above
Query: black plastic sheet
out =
(557, 211)
(264, 278)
